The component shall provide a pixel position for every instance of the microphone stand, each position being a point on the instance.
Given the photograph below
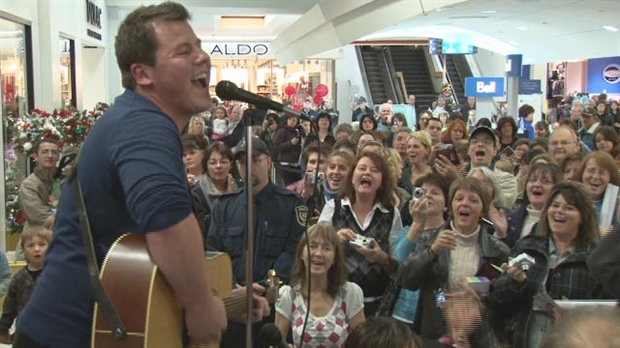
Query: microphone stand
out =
(249, 235)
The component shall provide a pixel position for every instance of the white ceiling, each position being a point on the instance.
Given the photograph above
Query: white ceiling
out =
(542, 30)
(555, 30)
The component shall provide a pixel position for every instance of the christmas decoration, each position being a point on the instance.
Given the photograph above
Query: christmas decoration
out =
(67, 126)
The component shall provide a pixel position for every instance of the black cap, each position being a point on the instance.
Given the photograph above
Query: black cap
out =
(483, 129)
(258, 148)
(589, 112)
(361, 100)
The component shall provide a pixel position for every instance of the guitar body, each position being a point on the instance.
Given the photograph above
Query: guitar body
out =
(143, 299)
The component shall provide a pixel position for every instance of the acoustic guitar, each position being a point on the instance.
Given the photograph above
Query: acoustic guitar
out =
(146, 303)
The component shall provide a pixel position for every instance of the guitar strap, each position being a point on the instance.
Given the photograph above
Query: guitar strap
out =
(101, 296)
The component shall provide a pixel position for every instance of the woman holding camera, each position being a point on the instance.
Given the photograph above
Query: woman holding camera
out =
(366, 209)
(549, 264)
(461, 248)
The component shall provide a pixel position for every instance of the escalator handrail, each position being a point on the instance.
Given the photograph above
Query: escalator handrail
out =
(447, 74)
(362, 67)
(389, 64)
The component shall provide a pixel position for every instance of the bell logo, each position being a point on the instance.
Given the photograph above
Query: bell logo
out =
(481, 87)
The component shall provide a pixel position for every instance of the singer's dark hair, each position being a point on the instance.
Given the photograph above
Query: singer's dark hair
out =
(337, 274)
(136, 41)
(382, 332)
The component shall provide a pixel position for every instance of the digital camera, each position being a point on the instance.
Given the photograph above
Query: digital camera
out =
(361, 241)
(523, 261)
(417, 193)
(312, 177)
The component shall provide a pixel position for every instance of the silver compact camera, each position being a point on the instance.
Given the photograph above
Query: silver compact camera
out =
(312, 177)
(361, 241)
(417, 193)
(523, 261)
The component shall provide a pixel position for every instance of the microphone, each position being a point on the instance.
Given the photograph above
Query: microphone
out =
(270, 335)
(229, 91)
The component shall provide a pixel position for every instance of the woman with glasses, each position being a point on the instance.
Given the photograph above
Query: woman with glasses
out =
(217, 164)
(523, 220)
(598, 171)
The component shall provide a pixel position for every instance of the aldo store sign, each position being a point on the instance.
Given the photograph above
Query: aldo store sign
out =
(236, 49)
(93, 18)
(484, 87)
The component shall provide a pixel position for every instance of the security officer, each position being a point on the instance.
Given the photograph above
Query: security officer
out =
(280, 216)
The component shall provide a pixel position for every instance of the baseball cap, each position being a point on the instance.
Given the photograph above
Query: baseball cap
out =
(589, 112)
(361, 100)
(483, 129)
(258, 148)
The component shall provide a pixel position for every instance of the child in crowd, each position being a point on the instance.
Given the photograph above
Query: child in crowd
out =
(35, 240)
(220, 123)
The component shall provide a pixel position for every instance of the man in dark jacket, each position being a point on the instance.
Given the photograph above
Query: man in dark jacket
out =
(280, 217)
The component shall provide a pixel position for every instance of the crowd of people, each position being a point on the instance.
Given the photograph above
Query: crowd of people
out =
(490, 193)
(452, 231)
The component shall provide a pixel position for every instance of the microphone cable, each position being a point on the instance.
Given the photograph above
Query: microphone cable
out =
(310, 207)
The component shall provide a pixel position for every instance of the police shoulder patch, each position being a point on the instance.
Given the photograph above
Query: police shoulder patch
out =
(301, 214)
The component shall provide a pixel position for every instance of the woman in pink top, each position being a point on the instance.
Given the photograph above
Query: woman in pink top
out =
(336, 305)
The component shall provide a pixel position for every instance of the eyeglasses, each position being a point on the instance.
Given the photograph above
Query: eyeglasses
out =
(543, 180)
(487, 142)
(601, 173)
(563, 143)
(223, 162)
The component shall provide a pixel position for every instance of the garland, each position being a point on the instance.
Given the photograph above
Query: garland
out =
(69, 127)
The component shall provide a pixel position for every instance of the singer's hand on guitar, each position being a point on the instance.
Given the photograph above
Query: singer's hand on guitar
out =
(206, 323)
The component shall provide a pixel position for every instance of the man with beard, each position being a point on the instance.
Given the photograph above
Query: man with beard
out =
(279, 220)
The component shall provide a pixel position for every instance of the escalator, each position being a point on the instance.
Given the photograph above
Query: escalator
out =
(458, 69)
(378, 75)
(411, 62)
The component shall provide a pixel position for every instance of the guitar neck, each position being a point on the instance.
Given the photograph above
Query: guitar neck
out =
(236, 305)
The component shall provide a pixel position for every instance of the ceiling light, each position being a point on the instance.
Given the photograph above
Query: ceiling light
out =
(514, 43)
(610, 28)
(522, 28)
(489, 11)
(443, 9)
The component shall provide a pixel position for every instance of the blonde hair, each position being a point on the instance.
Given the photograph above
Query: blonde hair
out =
(394, 161)
(423, 137)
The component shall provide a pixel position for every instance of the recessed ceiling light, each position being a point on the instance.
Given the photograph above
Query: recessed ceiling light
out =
(522, 28)
(443, 9)
(610, 28)
(489, 11)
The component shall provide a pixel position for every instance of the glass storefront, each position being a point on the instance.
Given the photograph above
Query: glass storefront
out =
(292, 82)
(67, 73)
(14, 96)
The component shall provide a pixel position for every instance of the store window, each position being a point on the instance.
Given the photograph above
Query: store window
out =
(67, 73)
(16, 99)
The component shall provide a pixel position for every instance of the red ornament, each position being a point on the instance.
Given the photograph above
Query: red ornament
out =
(289, 90)
(321, 90)
(318, 100)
